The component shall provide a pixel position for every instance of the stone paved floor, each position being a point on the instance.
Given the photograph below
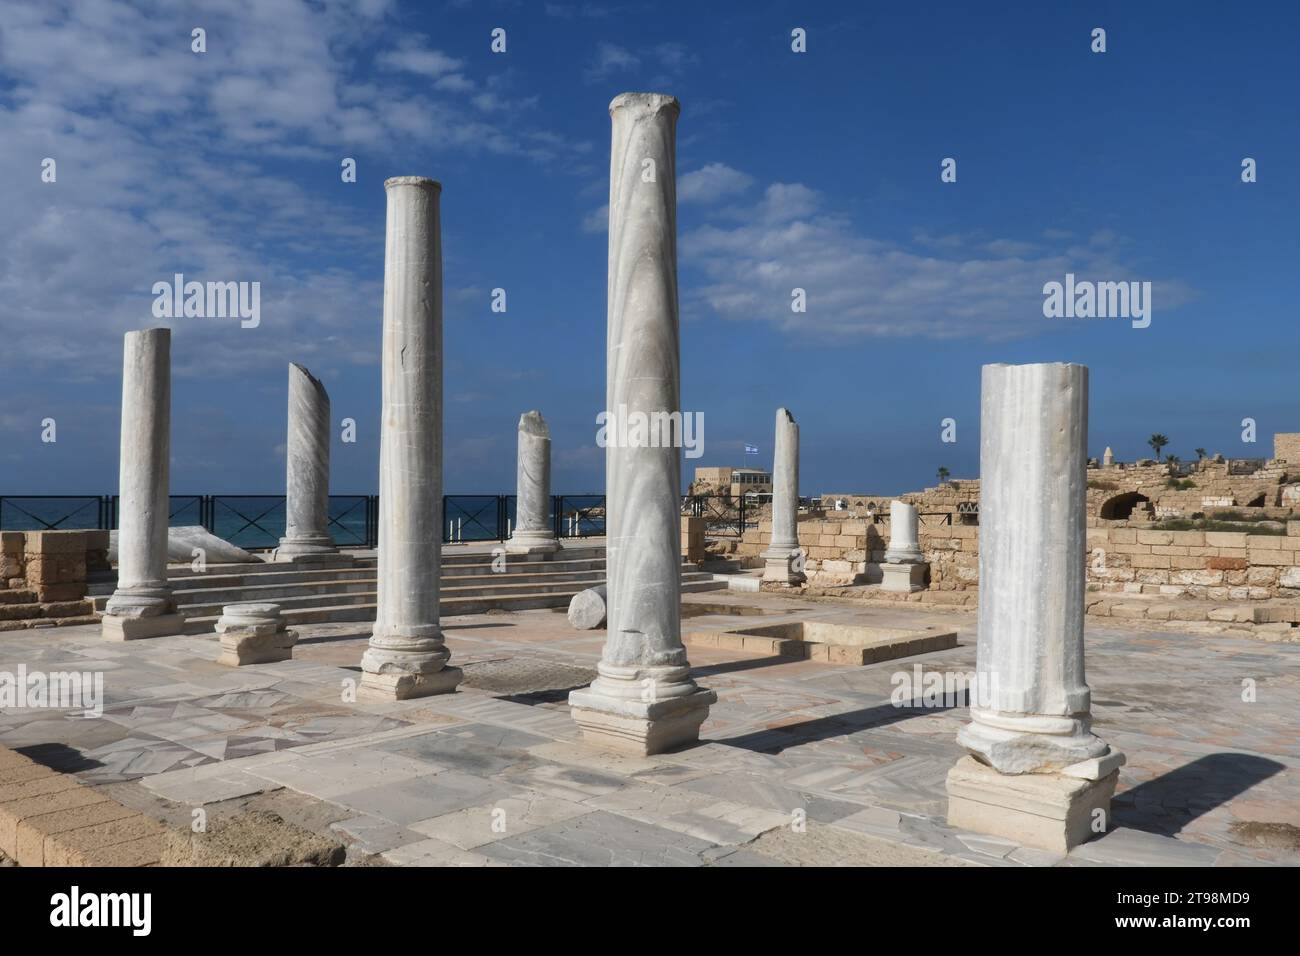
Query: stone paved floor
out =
(495, 774)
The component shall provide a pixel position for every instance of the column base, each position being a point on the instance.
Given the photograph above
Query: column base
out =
(640, 727)
(405, 686)
(1030, 743)
(904, 556)
(1048, 811)
(533, 542)
(115, 628)
(315, 550)
(903, 578)
(782, 566)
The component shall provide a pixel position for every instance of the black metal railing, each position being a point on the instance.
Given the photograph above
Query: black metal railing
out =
(724, 516)
(258, 521)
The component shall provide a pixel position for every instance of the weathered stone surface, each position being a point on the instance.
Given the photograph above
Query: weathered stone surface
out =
(307, 472)
(644, 699)
(407, 656)
(533, 532)
(587, 609)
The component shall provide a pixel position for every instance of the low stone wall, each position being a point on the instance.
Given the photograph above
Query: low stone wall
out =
(1214, 565)
(43, 576)
(1122, 558)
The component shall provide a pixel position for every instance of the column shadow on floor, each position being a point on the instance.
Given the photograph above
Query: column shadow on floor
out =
(1171, 801)
(774, 740)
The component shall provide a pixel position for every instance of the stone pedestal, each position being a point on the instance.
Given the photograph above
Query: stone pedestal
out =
(644, 700)
(1033, 714)
(1048, 811)
(307, 475)
(533, 532)
(407, 656)
(254, 634)
(693, 542)
(782, 563)
(904, 578)
(142, 604)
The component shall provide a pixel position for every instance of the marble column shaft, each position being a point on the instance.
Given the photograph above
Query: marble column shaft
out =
(144, 473)
(785, 482)
(307, 469)
(1034, 713)
(407, 654)
(644, 693)
(533, 531)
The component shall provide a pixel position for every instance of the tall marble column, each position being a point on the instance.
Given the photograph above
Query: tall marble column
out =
(533, 532)
(407, 656)
(644, 699)
(781, 559)
(307, 479)
(1038, 773)
(142, 605)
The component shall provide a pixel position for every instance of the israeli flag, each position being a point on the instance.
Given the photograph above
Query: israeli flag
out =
(751, 449)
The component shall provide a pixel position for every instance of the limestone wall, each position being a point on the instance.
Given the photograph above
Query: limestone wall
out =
(43, 575)
(1123, 557)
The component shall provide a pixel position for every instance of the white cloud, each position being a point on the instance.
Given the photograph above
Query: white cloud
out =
(752, 257)
(412, 56)
(711, 183)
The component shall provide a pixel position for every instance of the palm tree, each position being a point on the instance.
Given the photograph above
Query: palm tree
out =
(1157, 441)
(1200, 454)
(1172, 459)
(943, 473)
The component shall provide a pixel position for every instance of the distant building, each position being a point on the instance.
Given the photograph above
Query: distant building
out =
(731, 482)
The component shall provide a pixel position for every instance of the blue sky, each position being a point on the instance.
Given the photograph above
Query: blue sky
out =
(818, 170)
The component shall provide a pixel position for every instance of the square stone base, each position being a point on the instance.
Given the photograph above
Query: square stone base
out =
(781, 568)
(903, 577)
(1048, 811)
(238, 650)
(407, 686)
(638, 727)
(116, 628)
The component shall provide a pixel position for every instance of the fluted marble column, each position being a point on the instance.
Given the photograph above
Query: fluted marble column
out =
(407, 656)
(142, 605)
(533, 532)
(644, 699)
(307, 472)
(781, 558)
(1030, 714)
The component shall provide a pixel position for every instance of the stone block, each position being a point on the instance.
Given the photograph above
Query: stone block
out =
(55, 542)
(11, 542)
(904, 578)
(115, 628)
(1053, 812)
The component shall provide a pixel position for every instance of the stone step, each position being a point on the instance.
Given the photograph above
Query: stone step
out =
(235, 575)
(280, 591)
(449, 606)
